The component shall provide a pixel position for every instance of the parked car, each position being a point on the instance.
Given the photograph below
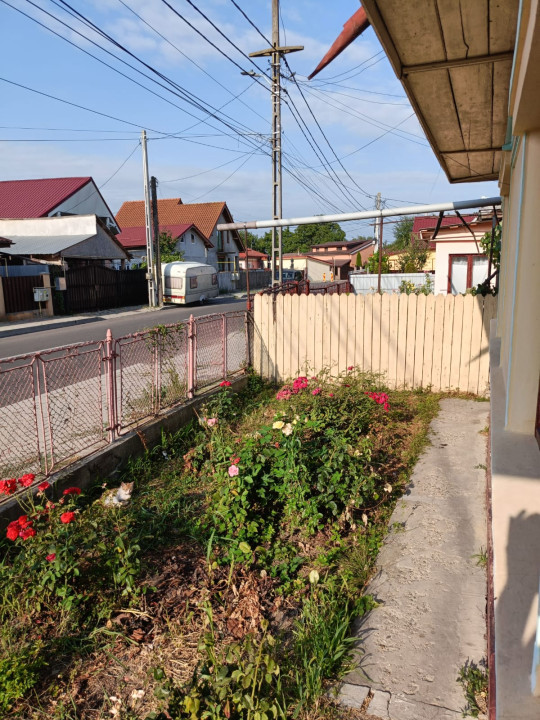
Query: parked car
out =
(188, 282)
(288, 275)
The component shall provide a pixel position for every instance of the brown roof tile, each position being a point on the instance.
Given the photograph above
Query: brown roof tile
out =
(172, 211)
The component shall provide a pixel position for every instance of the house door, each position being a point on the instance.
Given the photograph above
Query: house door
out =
(459, 266)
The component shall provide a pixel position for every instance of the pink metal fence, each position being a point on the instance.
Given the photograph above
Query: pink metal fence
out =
(59, 405)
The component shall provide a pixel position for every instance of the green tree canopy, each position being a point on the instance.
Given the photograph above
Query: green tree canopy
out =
(302, 239)
(167, 247)
(402, 234)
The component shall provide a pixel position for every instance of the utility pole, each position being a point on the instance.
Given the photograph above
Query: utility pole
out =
(148, 222)
(155, 221)
(275, 52)
(378, 225)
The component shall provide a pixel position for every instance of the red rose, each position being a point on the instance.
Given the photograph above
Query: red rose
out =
(235, 460)
(12, 531)
(43, 486)
(27, 480)
(23, 521)
(72, 491)
(7, 487)
(27, 533)
(225, 383)
(67, 517)
(51, 557)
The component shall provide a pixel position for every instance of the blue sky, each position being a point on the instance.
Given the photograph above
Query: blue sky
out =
(356, 100)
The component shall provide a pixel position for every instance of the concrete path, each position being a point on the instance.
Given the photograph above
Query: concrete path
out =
(432, 594)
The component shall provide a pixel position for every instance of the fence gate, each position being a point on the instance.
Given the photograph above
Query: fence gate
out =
(94, 287)
(19, 292)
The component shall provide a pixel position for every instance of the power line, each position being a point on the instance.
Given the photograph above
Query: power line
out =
(204, 172)
(223, 35)
(185, 95)
(371, 121)
(252, 23)
(187, 57)
(324, 135)
(49, 129)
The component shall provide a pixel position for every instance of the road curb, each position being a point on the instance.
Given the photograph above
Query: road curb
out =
(12, 332)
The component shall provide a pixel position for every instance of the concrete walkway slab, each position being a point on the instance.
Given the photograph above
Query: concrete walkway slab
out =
(432, 594)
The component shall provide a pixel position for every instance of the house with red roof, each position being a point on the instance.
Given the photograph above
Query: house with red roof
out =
(54, 197)
(460, 262)
(194, 226)
(255, 260)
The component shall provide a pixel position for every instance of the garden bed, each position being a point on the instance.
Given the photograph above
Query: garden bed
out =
(227, 586)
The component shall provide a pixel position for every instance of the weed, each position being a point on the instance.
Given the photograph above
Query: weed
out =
(484, 430)
(474, 679)
(481, 558)
(480, 466)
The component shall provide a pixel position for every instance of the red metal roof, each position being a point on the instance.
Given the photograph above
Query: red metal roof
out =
(135, 237)
(36, 198)
(429, 222)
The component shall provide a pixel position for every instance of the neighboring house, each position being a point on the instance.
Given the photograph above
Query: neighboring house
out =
(334, 260)
(67, 241)
(460, 262)
(295, 261)
(327, 269)
(256, 260)
(472, 78)
(222, 248)
(189, 240)
(54, 196)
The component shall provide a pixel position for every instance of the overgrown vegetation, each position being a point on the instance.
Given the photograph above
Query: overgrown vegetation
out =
(474, 679)
(227, 588)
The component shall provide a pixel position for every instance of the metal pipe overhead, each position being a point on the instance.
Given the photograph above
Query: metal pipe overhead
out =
(364, 214)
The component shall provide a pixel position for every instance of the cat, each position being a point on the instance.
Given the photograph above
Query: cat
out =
(120, 497)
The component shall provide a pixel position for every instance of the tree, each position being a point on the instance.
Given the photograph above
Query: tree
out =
(319, 233)
(372, 263)
(415, 256)
(167, 247)
(402, 234)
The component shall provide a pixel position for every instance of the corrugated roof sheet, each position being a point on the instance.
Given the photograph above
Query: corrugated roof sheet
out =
(172, 211)
(253, 254)
(429, 222)
(36, 198)
(43, 245)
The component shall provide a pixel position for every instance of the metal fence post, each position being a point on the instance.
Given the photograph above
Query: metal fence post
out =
(247, 316)
(110, 369)
(191, 357)
(224, 344)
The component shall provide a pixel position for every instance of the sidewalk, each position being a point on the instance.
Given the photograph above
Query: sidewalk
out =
(432, 594)
(21, 327)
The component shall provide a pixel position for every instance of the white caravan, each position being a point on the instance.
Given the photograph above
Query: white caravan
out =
(188, 282)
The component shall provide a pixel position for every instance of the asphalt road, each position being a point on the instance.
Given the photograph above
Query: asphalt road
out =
(52, 337)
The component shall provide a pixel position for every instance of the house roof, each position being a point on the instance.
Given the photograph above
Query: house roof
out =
(172, 211)
(429, 222)
(347, 245)
(253, 254)
(329, 260)
(40, 245)
(135, 237)
(36, 198)
(455, 63)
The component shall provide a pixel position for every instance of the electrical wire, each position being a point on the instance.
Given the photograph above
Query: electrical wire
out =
(185, 95)
(187, 57)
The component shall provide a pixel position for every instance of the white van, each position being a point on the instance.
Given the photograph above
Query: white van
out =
(188, 282)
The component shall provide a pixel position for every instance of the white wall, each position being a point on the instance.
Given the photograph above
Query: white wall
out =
(86, 201)
(196, 251)
(445, 248)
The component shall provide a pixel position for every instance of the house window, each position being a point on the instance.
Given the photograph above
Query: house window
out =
(219, 241)
(466, 271)
(192, 238)
(181, 238)
(214, 279)
(228, 239)
(192, 282)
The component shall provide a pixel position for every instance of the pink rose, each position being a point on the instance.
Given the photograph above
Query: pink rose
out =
(233, 471)
(317, 391)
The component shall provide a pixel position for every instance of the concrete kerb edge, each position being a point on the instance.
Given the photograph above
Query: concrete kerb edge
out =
(109, 460)
(21, 330)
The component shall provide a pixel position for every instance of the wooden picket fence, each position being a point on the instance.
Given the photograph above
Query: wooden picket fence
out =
(434, 341)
